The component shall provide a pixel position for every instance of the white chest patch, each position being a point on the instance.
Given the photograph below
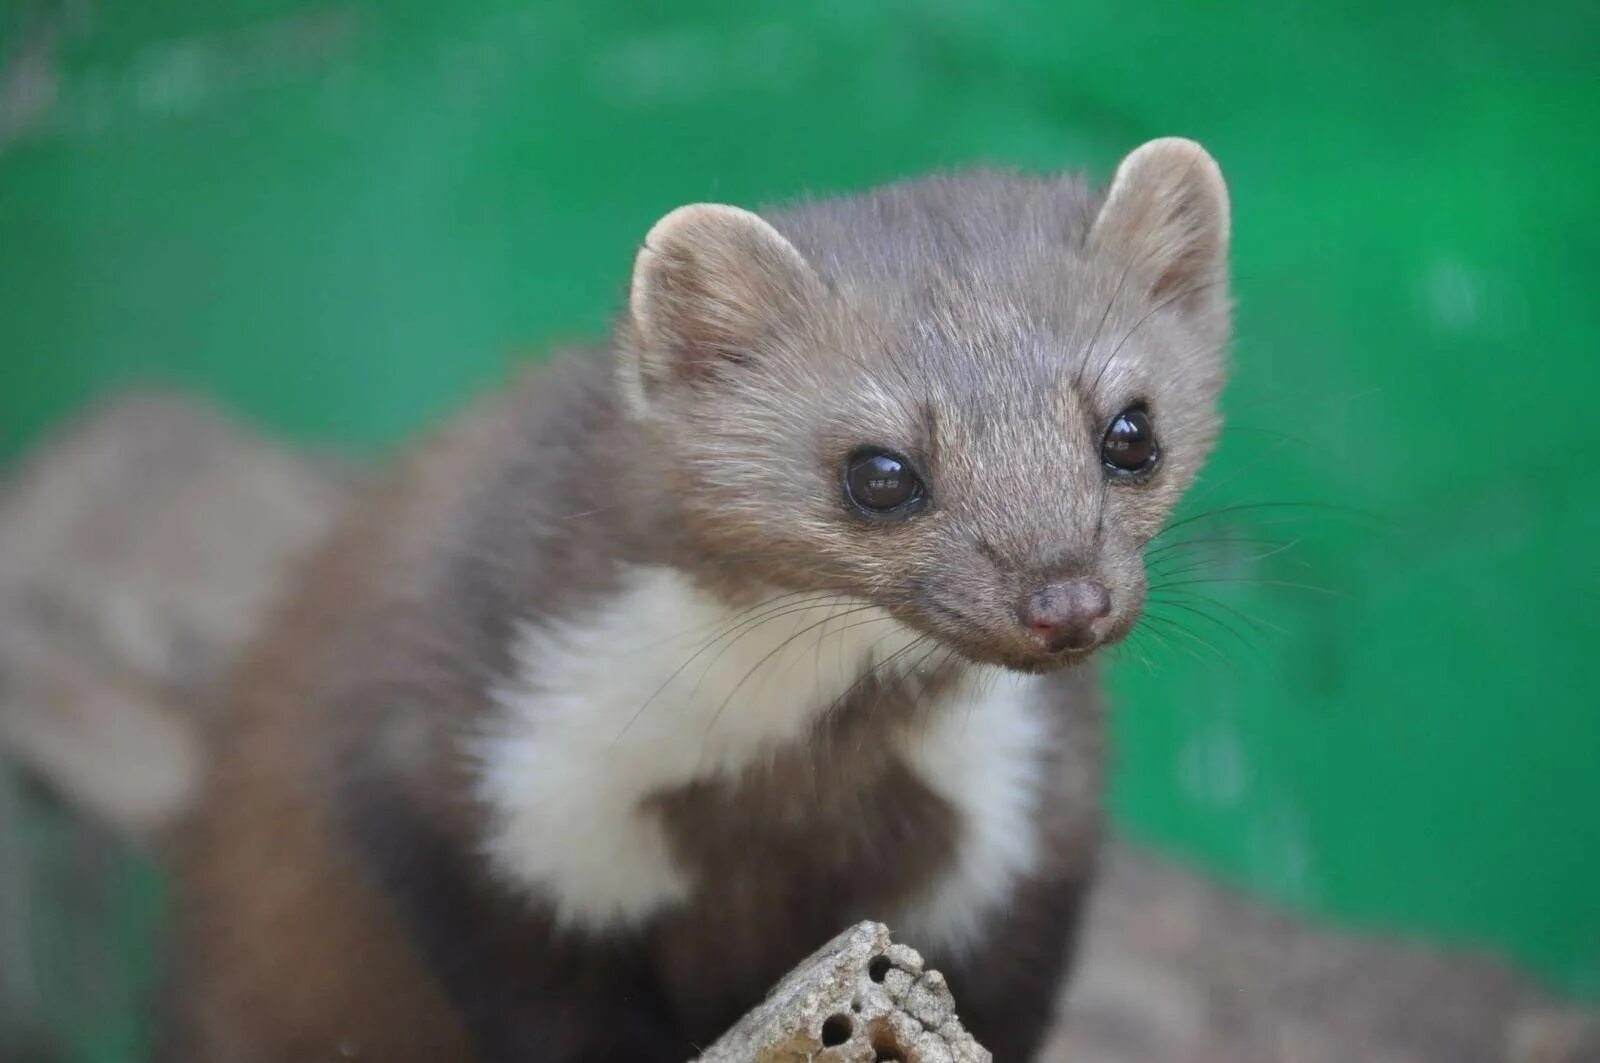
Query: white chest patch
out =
(983, 754)
(666, 685)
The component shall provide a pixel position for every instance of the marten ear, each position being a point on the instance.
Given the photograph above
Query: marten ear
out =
(1166, 217)
(711, 286)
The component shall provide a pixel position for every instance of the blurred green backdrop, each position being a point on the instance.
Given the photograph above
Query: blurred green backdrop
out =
(341, 218)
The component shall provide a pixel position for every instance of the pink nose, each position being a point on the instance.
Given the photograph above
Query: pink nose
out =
(1062, 614)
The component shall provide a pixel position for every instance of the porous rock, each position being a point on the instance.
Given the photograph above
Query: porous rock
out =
(858, 999)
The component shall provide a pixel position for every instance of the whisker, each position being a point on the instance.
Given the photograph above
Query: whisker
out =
(1219, 622)
(1287, 584)
(1177, 628)
(1244, 507)
(1209, 540)
(1256, 622)
(1186, 565)
(742, 628)
(768, 656)
(843, 698)
(730, 623)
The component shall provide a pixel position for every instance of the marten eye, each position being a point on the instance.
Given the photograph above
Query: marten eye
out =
(881, 483)
(1129, 446)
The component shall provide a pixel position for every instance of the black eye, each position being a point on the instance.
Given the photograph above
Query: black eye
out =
(1129, 445)
(878, 481)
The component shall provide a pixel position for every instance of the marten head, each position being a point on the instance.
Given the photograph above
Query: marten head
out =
(971, 400)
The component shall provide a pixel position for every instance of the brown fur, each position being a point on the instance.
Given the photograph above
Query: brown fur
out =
(331, 898)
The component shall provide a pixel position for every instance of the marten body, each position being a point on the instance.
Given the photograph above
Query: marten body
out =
(665, 664)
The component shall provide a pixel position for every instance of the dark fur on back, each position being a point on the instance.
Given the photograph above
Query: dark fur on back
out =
(333, 900)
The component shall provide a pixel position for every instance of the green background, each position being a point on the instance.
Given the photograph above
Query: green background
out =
(342, 218)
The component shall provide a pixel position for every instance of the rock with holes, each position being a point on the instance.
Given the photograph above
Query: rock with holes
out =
(858, 999)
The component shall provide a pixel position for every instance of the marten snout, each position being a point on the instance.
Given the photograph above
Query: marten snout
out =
(1063, 614)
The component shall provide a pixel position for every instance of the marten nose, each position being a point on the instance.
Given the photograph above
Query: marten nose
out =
(1061, 614)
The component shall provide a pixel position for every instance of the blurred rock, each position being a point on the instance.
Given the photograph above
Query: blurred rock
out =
(1177, 969)
(138, 548)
